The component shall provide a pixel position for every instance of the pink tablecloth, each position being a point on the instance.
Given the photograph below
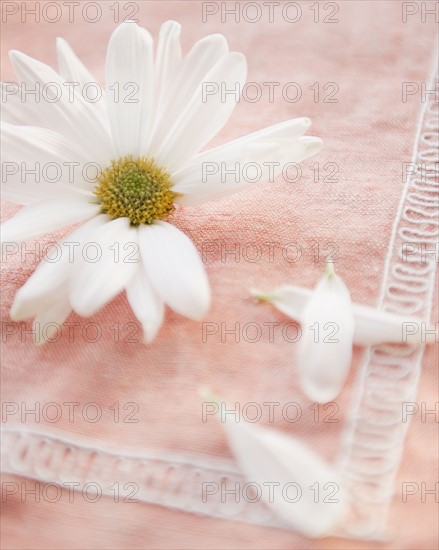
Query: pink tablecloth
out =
(351, 76)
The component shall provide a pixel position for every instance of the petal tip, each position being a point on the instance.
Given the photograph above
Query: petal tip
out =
(18, 311)
(149, 333)
(306, 122)
(172, 23)
(15, 56)
(312, 145)
(200, 314)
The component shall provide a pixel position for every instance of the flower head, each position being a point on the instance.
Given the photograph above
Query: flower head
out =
(136, 189)
(142, 139)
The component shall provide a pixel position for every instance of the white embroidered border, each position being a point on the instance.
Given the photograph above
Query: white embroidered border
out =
(373, 443)
(174, 481)
(389, 376)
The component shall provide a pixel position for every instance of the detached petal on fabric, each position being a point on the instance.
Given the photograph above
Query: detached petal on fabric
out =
(288, 299)
(324, 354)
(267, 456)
(331, 324)
(372, 326)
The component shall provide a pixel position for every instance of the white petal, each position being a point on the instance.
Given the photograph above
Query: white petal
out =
(99, 278)
(53, 272)
(324, 352)
(77, 119)
(312, 146)
(16, 111)
(291, 300)
(48, 321)
(182, 84)
(168, 61)
(129, 67)
(267, 456)
(255, 158)
(168, 58)
(175, 269)
(71, 69)
(201, 120)
(372, 326)
(146, 305)
(46, 216)
(39, 163)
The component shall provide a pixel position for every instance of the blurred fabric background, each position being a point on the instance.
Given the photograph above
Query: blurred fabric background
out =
(361, 60)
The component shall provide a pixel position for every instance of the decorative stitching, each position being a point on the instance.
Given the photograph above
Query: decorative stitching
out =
(389, 375)
(171, 480)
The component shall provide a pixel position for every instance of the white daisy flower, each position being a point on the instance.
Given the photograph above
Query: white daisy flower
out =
(331, 325)
(144, 136)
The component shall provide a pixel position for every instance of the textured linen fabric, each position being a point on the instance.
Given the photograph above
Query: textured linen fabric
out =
(369, 133)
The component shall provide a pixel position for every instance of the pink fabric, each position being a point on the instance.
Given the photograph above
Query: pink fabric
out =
(369, 133)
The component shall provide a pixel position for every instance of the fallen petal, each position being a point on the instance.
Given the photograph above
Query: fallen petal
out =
(288, 299)
(375, 326)
(307, 492)
(324, 352)
(372, 326)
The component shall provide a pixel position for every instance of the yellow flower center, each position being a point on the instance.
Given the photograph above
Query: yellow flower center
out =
(135, 188)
